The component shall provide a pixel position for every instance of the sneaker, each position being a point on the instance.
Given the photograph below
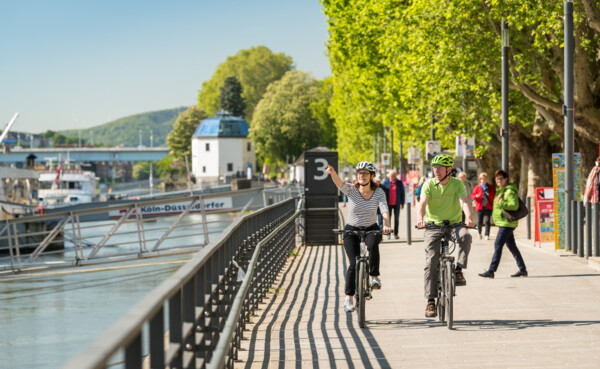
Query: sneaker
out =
(520, 273)
(388, 236)
(430, 310)
(480, 237)
(459, 278)
(487, 238)
(376, 283)
(487, 274)
(349, 304)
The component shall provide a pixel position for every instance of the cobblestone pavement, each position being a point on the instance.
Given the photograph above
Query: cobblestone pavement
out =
(550, 319)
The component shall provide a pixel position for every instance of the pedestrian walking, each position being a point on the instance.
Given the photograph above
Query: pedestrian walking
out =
(395, 197)
(419, 187)
(507, 198)
(484, 195)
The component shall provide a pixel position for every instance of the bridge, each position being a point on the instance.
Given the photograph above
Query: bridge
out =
(294, 318)
(87, 154)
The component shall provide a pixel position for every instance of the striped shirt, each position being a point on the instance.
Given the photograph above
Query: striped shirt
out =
(363, 212)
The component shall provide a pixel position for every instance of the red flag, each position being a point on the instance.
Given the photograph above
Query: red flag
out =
(58, 173)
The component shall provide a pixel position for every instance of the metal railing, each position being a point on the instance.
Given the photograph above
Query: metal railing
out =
(195, 318)
(119, 232)
(585, 229)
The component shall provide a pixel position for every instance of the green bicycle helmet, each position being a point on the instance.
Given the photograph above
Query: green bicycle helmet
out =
(443, 159)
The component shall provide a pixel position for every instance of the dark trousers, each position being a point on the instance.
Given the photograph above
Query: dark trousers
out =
(352, 247)
(395, 210)
(484, 215)
(506, 236)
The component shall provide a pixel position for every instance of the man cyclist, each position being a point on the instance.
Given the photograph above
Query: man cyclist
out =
(364, 198)
(443, 198)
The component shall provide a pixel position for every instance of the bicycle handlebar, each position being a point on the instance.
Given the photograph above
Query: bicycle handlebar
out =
(358, 232)
(444, 227)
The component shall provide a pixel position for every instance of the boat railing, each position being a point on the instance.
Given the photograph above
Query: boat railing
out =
(124, 231)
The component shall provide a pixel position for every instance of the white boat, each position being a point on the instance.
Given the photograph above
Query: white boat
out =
(66, 187)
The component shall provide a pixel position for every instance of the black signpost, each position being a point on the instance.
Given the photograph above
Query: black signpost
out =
(321, 198)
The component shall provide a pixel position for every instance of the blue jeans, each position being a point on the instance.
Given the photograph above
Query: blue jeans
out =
(506, 236)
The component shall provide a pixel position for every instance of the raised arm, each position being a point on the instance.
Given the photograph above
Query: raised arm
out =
(334, 176)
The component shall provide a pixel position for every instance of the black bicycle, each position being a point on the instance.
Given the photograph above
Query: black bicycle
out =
(446, 282)
(363, 283)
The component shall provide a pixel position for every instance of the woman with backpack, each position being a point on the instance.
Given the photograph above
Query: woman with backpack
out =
(507, 198)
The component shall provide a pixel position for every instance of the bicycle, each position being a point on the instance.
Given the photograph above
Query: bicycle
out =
(363, 285)
(446, 282)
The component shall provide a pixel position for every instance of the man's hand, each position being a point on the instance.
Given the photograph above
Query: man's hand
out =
(329, 169)
(470, 222)
(387, 229)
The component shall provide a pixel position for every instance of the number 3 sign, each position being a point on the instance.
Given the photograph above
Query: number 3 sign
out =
(317, 181)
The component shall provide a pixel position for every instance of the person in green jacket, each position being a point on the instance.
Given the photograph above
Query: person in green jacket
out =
(507, 198)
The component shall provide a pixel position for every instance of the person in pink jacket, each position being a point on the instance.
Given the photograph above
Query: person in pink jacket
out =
(483, 194)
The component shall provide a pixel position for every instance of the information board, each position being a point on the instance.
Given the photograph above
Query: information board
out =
(316, 180)
(544, 215)
(558, 179)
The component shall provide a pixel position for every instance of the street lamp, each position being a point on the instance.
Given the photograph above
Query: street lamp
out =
(504, 130)
(568, 114)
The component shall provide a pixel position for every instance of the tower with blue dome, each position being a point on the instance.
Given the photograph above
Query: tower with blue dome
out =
(221, 148)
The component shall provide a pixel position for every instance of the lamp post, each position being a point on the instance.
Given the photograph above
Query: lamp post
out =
(568, 114)
(432, 127)
(504, 130)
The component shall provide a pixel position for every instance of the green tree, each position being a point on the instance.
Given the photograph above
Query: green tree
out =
(254, 68)
(141, 170)
(179, 139)
(231, 99)
(283, 122)
(396, 62)
(320, 110)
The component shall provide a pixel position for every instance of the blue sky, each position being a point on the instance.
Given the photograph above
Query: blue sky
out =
(81, 63)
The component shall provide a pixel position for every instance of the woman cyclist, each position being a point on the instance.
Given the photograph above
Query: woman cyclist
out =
(364, 198)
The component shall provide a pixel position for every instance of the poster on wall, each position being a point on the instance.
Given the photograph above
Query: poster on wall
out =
(558, 179)
(414, 156)
(544, 215)
(465, 146)
(432, 148)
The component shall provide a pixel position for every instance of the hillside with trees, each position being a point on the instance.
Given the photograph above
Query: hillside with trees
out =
(126, 131)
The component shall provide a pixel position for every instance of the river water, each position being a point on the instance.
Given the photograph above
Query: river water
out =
(47, 318)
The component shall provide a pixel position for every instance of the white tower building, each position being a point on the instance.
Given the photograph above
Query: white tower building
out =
(221, 148)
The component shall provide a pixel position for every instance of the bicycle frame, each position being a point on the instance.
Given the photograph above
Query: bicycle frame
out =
(446, 268)
(362, 277)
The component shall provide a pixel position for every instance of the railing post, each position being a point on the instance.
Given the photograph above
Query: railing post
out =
(588, 229)
(528, 203)
(579, 228)
(595, 221)
(408, 210)
(573, 226)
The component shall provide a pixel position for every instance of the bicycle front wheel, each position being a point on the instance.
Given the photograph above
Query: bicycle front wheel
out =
(449, 293)
(361, 293)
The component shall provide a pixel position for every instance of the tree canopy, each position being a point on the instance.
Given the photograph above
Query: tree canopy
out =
(283, 122)
(395, 62)
(231, 99)
(255, 68)
(179, 139)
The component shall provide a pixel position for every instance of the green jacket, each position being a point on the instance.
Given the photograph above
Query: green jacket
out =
(510, 201)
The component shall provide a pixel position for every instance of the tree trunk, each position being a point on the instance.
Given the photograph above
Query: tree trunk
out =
(535, 148)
